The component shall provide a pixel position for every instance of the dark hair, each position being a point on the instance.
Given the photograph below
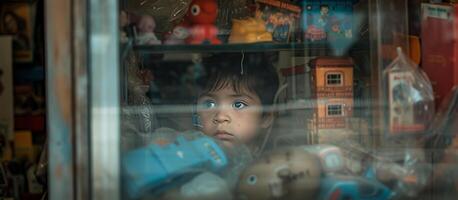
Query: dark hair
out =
(251, 71)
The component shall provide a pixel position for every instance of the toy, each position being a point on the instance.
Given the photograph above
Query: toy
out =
(332, 86)
(289, 173)
(331, 20)
(249, 30)
(147, 169)
(347, 187)
(178, 35)
(280, 18)
(331, 157)
(201, 17)
(146, 26)
(410, 97)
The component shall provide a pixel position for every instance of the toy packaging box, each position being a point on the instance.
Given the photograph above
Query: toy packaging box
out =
(401, 113)
(410, 97)
(440, 47)
(324, 20)
(280, 17)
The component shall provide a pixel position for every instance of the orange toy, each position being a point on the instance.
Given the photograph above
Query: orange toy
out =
(201, 17)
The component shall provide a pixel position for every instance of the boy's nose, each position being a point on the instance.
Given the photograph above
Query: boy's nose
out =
(222, 115)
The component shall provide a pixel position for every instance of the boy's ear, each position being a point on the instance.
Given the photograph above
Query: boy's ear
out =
(267, 120)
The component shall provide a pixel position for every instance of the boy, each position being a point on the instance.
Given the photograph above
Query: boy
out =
(234, 104)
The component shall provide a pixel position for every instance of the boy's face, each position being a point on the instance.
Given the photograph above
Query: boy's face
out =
(230, 116)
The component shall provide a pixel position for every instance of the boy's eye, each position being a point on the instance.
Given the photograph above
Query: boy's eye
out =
(208, 104)
(239, 105)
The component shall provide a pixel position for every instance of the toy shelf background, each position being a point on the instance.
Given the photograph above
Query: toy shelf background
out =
(378, 23)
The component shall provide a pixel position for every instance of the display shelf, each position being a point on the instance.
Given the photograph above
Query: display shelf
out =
(252, 47)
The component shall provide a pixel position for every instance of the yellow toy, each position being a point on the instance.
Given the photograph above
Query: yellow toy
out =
(249, 31)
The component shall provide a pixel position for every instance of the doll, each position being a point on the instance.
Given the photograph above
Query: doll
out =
(145, 27)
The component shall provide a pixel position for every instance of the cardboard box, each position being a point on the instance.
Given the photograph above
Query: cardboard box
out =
(439, 47)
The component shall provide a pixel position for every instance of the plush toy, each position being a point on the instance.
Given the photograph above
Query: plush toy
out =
(178, 35)
(146, 26)
(201, 17)
(249, 30)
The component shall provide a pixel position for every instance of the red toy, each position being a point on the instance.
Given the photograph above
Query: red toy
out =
(201, 17)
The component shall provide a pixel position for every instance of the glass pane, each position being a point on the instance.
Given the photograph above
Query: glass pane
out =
(270, 99)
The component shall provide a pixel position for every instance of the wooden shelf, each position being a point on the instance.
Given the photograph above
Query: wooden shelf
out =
(251, 47)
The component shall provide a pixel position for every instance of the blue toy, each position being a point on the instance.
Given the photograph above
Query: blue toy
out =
(334, 187)
(154, 167)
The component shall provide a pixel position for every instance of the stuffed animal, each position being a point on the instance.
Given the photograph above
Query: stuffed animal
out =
(201, 17)
(249, 30)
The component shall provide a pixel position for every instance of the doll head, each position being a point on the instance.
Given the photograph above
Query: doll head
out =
(146, 24)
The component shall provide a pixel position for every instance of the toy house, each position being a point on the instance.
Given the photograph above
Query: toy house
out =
(332, 82)
(332, 89)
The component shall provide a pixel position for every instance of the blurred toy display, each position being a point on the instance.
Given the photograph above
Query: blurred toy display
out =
(178, 35)
(230, 10)
(289, 173)
(167, 13)
(145, 34)
(410, 97)
(328, 172)
(27, 101)
(249, 30)
(331, 20)
(182, 160)
(280, 17)
(201, 18)
(18, 20)
(198, 25)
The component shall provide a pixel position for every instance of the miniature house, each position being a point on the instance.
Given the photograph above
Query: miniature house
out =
(332, 83)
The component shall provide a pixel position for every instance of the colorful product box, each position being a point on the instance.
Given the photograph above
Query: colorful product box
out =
(328, 20)
(280, 17)
(440, 47)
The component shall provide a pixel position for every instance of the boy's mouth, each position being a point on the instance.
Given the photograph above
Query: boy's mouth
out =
(223, 135)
